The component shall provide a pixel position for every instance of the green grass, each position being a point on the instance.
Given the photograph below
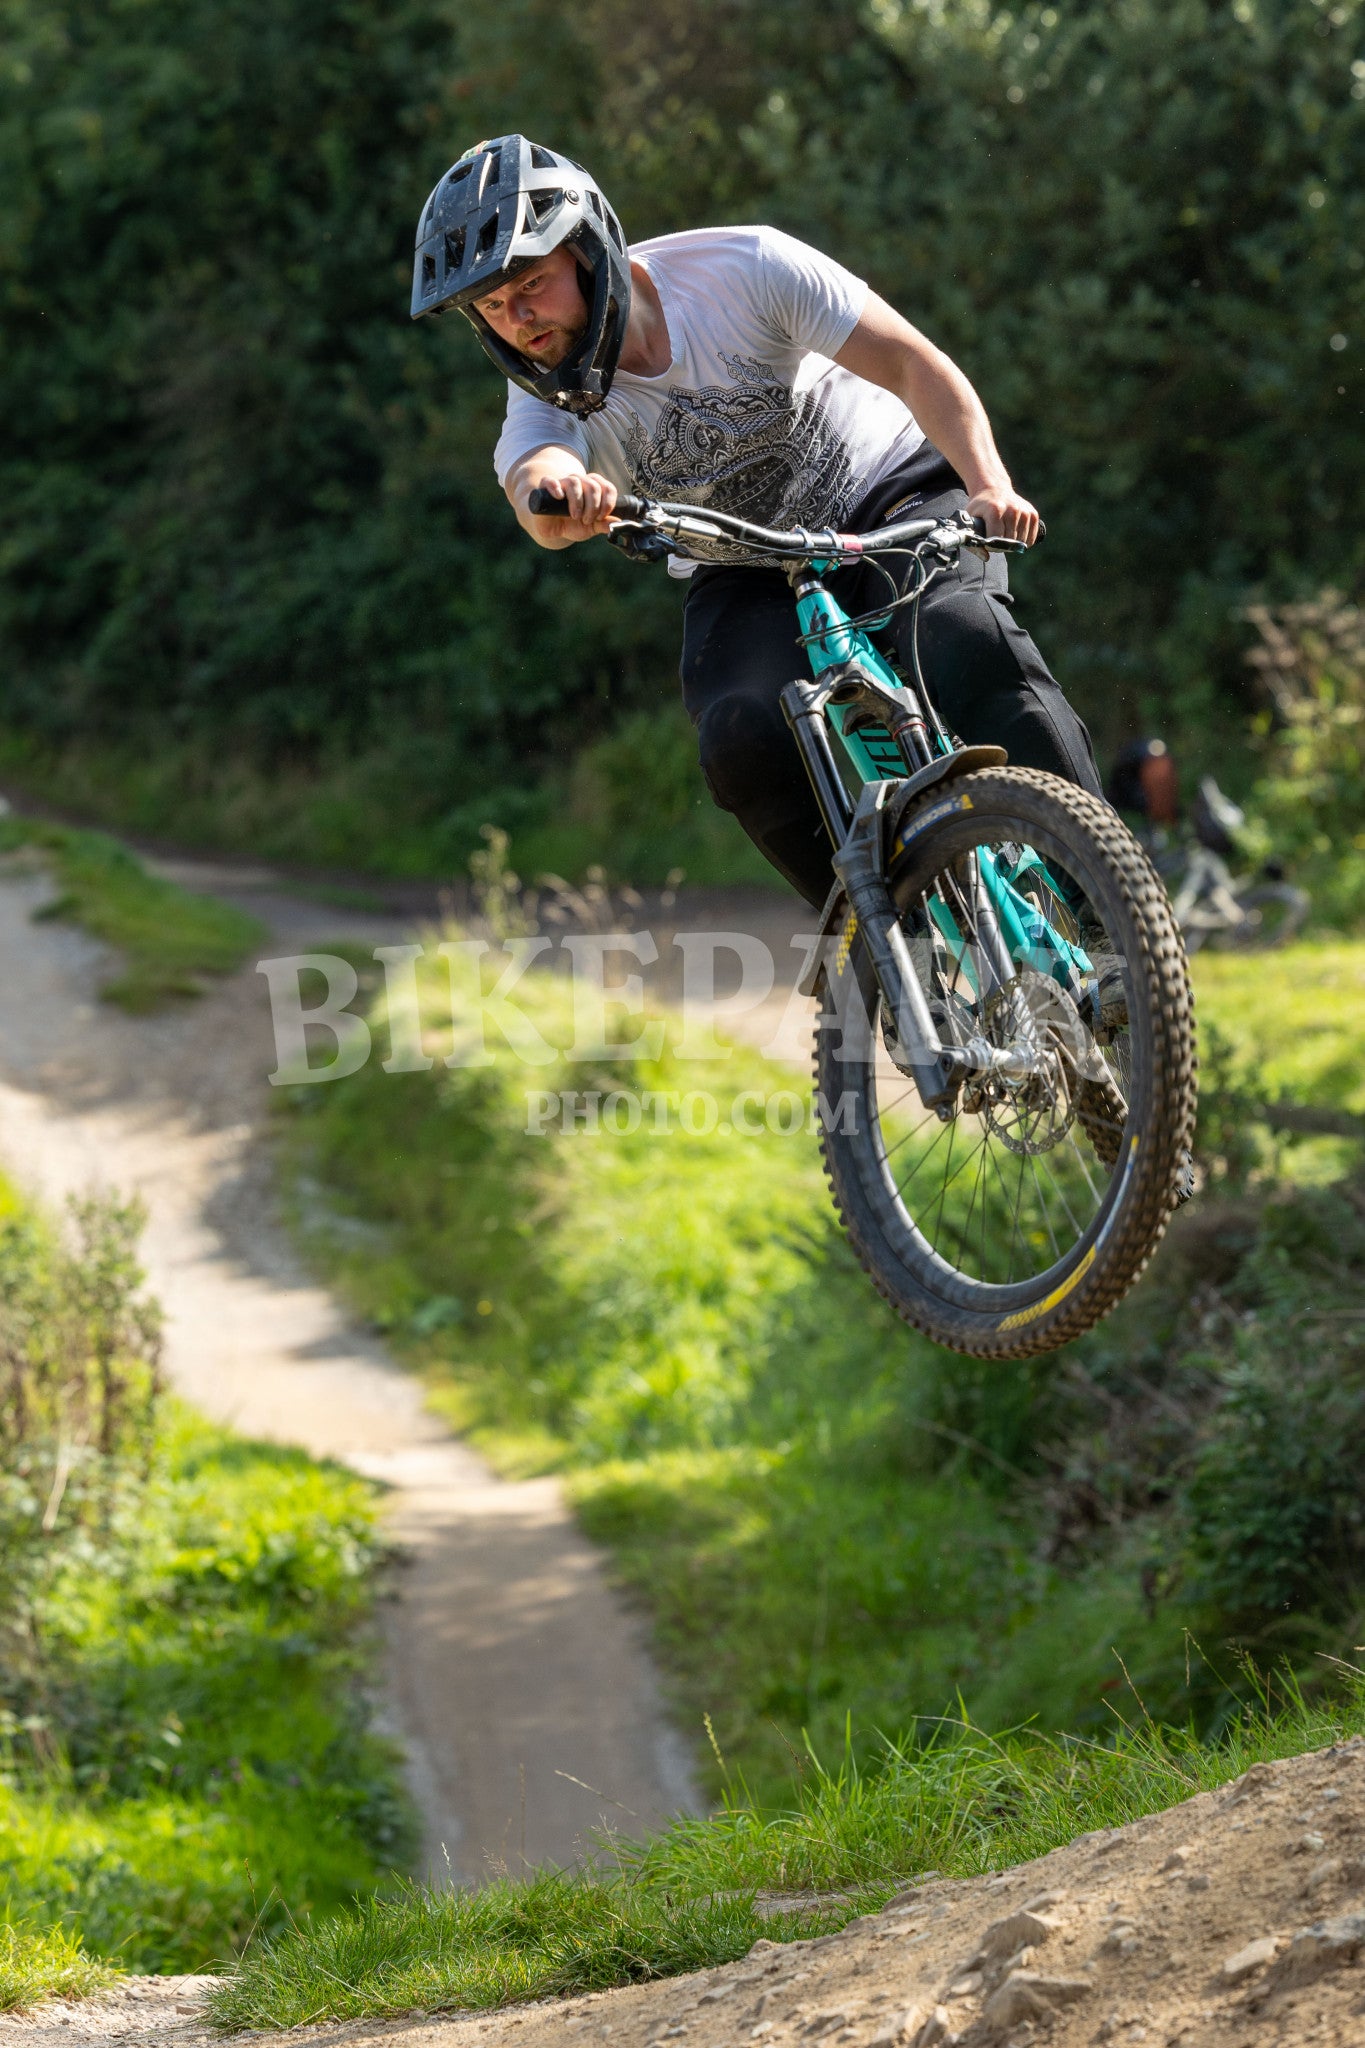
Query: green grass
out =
(955, 1803)
(823, 1513)
(633, 802)
(47, 1964)
(1296, 1018)
(452, 1951)
(191, 1756)
(169, 939)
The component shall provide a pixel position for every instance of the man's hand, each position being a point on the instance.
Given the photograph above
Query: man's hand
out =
(1007, 515)
(589, 499)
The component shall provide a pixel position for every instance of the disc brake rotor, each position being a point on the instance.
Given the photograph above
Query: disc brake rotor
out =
(1035, 1017)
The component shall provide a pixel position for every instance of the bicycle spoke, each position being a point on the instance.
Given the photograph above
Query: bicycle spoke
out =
(1042, 1204)
(1061, 1194)
(1080, 1160)
(1018, 1210)
(971, 1206)
(924, 1157)
(1040, 1102)
(988, 1161)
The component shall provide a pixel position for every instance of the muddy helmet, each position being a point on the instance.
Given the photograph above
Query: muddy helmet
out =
(504, 206)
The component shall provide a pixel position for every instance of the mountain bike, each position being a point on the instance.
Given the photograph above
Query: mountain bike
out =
(1004, 1046)
(1214, 907)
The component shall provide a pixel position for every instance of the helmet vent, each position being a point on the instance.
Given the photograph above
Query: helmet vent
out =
(542, 159)
(539, 205)
(594, 202)
(455, 241)
(614, 230)
(488, 235)
(428, 276)
(460, 171)
(494, 167)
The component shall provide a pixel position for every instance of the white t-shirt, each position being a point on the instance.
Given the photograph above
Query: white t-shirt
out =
(751, 416)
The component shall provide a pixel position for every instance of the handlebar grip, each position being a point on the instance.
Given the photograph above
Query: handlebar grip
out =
(547, 504)
(980, 526)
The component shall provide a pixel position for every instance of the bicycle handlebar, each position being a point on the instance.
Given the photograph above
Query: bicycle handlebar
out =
(551, 505)
(699, 522)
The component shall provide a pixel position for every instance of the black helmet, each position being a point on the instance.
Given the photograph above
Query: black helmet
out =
(504, 206)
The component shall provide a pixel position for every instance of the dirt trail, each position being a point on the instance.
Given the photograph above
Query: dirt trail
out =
(1234, 1921)
(518, 1678)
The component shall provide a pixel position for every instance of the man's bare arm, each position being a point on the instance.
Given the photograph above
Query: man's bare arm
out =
(885, 349)
(590, 498)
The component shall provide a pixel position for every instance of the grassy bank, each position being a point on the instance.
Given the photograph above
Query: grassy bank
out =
(168, 939)
(823, 1513)
(956, 1804)
(632, 802)
(193, 1751)
(184, 1748)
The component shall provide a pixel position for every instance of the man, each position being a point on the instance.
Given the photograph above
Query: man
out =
(740, 369)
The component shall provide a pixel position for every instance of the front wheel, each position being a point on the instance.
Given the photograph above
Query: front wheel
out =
(1011, 1220)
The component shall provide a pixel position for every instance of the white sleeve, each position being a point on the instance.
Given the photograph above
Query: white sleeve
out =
(532, 424)
(812, 301)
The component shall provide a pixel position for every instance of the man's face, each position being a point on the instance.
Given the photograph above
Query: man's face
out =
(540, 312)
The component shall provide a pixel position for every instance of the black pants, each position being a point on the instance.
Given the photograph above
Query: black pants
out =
(989, 682)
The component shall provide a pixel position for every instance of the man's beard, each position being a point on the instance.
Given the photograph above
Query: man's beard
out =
(564, 340)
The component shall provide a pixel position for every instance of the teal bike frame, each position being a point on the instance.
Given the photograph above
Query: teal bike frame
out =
(832, 641)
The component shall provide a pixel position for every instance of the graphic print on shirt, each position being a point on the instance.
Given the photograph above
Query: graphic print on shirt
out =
(754, 448)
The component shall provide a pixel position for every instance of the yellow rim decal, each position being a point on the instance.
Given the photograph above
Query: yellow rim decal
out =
(846, 938)
(1040, 1308)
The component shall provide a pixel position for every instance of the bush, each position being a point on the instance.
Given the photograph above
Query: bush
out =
(1309, 802)
(1276, 1511)
(80, 1352)
(1277, 1517)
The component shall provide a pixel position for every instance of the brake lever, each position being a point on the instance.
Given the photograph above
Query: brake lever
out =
(638, 544)
(985, 545)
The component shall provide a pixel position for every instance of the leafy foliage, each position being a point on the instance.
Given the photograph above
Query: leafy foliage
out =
(1276, 1514)
(248, 512)
(1310, 798)
(80, 1353)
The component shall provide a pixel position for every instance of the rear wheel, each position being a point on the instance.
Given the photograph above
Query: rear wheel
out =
(1274, 913)
(1013, 1220)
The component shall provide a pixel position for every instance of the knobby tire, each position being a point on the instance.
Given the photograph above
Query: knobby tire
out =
(1145, 1160)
